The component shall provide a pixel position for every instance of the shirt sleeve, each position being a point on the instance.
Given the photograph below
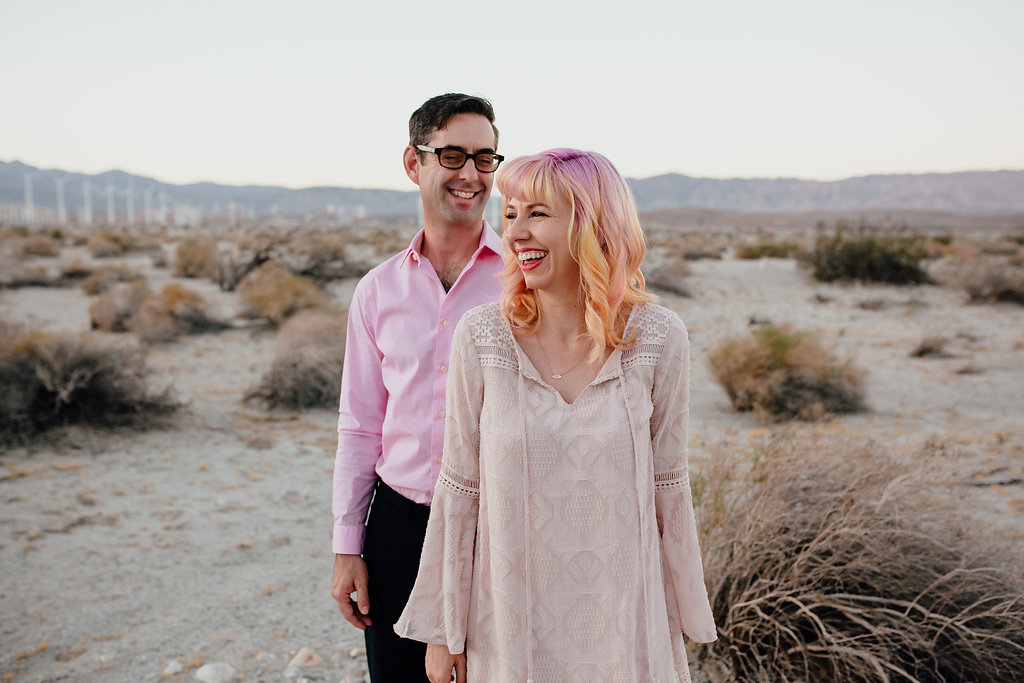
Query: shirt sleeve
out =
(688, 606)
(361, 411)
(438, 608)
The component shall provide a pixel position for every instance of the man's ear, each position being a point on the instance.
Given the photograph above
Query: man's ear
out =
(411, 161)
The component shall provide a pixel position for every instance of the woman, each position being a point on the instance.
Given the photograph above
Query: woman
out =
(561, 544)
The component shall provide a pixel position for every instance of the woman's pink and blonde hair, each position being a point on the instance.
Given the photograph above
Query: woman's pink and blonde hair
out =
(604, 237)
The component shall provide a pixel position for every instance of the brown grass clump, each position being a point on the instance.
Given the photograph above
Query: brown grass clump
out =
(111, 312)
(195, 258)
(274, 293)
(767, 249)
(41, 245)
(173, 312)
(50, 380)
(783, 373)
(832, 559)
(931, 346)
(104, 279)
(306, 372)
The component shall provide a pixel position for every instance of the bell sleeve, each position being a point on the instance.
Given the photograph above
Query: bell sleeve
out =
(438, 608)
(685, 592)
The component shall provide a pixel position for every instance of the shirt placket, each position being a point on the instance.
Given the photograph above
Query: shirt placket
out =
(446, 320)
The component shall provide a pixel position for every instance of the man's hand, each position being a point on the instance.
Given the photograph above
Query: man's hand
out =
(440, 663)
(350, 577)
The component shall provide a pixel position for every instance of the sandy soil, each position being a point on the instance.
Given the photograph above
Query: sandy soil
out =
(208, 540)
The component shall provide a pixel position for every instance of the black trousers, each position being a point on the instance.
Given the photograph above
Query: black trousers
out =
(391, 549)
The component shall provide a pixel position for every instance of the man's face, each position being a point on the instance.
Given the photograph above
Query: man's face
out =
(454, 197)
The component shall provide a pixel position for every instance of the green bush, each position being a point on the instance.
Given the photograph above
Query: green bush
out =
(784, 373)
(868, 255)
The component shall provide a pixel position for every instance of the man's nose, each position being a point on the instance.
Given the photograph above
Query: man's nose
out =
(468, 171)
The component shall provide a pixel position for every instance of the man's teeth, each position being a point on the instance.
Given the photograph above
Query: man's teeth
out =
(528, 255)
(462, 194)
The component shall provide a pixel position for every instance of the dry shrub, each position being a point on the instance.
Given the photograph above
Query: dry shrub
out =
(108, 244)
(111, 312)
(832, 559)
(41, 245)
(49, 380)
(104, 279)
(306, 372)
(670, 277)
(173, 312)
(783, 373)
(274, 293)
(987, 278)
(195, 258)
(320, 257)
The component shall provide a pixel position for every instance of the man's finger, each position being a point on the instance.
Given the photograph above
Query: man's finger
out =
(460, 669)
(362, 596)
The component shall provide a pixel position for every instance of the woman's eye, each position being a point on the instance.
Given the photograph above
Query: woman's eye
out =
(538, 214)
(510, 216)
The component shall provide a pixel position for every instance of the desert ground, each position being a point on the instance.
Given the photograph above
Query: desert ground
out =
(145, 555)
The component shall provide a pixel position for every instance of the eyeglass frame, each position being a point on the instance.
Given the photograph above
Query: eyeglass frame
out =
(467, 156)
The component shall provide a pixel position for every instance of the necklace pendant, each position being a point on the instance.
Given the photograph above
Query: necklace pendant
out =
(556, 377)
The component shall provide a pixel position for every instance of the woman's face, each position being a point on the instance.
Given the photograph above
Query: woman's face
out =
(538, 234)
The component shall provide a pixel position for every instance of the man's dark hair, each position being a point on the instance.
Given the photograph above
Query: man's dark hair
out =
(433, 115)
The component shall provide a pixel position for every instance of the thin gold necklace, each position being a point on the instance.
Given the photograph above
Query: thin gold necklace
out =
(560, 375)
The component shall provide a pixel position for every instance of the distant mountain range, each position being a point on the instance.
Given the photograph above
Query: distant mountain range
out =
(970, 192)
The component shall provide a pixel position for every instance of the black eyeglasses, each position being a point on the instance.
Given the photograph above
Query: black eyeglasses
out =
(453, 158)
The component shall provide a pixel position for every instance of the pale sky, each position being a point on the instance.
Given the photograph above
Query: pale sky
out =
(314, 92)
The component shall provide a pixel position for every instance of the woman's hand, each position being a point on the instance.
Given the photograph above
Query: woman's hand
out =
(440, 663)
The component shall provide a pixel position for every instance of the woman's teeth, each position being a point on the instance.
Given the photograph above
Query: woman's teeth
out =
(531, 255)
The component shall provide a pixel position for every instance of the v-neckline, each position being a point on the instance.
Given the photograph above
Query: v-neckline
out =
(610, 369)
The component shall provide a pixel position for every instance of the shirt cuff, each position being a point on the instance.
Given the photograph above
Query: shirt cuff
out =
(348, 540)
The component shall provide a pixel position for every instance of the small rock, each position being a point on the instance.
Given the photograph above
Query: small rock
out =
(216, 672)
(356, 652)
(358, 673)
(290, 672)
(305, 657)
(173, 666)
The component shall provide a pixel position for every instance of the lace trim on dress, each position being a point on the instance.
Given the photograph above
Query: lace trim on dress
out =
(492, 338)
(673, 479)
(459, 484)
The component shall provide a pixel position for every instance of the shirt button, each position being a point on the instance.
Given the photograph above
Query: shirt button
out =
(445, 323)
(415, 257)
(444, 368)
(440, 413)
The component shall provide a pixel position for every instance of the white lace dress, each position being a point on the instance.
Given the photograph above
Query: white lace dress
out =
(562, 544)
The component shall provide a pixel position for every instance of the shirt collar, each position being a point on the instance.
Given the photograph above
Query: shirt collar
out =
(489, 240)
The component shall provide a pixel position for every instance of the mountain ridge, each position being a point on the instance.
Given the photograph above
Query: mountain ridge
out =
(961, 192)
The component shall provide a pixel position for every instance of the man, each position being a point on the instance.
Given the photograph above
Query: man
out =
(391, 415)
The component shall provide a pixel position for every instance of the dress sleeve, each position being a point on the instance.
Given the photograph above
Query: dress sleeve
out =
(438, 608)
(687, 597)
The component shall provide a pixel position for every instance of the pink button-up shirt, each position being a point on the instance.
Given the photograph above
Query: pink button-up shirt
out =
(391, 414)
